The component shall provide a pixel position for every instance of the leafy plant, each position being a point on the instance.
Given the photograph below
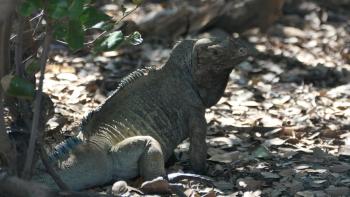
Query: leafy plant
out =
(71, 18)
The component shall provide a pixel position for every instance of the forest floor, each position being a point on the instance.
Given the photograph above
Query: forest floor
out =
(282, 127)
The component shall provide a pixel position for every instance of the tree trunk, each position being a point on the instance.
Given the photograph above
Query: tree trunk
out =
(7, 8)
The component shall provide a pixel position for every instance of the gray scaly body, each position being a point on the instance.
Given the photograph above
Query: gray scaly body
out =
(150, 113)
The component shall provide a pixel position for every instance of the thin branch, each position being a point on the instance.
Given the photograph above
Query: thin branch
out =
(128, 13)
(41, 15)
(37, 16)
(35, 130)
(19, 48)
(13, 37)
(51, 171)
(31, 20)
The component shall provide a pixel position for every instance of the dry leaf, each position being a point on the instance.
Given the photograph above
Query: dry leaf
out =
(274, 142)
(228, 157)
(248, 183)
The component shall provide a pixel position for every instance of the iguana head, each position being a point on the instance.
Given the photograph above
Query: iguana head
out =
(218, 54)
(212, 62)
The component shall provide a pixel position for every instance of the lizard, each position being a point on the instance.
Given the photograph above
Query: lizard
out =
(151, 112)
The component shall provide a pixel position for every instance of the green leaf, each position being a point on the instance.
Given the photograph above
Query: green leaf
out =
(106, 26)
(137, 2)
(75, 35)
(112, 41)
(16, 86)
(37, 3)
(76, 9)
(261, 152)
(92, 16)
(27, 8)
(58, 9)
(135, 38)
(60, 31)
(32, 68)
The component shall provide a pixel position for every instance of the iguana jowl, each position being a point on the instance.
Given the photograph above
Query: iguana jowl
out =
(150, 113)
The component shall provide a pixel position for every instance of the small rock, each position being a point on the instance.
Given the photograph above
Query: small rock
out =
(119, 188)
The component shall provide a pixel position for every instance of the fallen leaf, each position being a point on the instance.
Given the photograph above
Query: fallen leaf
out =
(226, 157)
(344, 150)
(274, 142)
(249, 183)
(252, 194)
(261, 152)
(225, 142)
(337, 191)
(340, 168)
(270, 175)
(157, 185)
(223, 185)
(211, 193)
(67, 76)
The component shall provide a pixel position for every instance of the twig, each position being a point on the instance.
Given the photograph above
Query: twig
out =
(39, 21)
(31, 20)
(34, 130)
(128, 13)
(50, 170)
(19, 48)
(37, 16)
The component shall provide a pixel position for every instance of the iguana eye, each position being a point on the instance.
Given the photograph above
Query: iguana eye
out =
(242, 51)
(215, 52)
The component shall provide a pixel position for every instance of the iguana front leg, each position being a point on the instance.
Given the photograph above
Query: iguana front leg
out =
(198, 146)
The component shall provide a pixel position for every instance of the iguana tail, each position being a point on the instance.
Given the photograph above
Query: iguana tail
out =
(63, 148)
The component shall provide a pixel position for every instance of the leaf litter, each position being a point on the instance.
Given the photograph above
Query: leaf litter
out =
(282, 127)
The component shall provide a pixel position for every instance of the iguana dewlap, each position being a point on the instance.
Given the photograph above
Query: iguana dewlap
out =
(150, 113)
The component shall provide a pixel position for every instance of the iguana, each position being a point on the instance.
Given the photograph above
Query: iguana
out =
(152, 111)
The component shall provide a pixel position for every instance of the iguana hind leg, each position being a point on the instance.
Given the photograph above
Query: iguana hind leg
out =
(86, 166)
(139, 155)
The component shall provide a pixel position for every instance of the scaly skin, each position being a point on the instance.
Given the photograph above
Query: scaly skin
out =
(141, 123)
